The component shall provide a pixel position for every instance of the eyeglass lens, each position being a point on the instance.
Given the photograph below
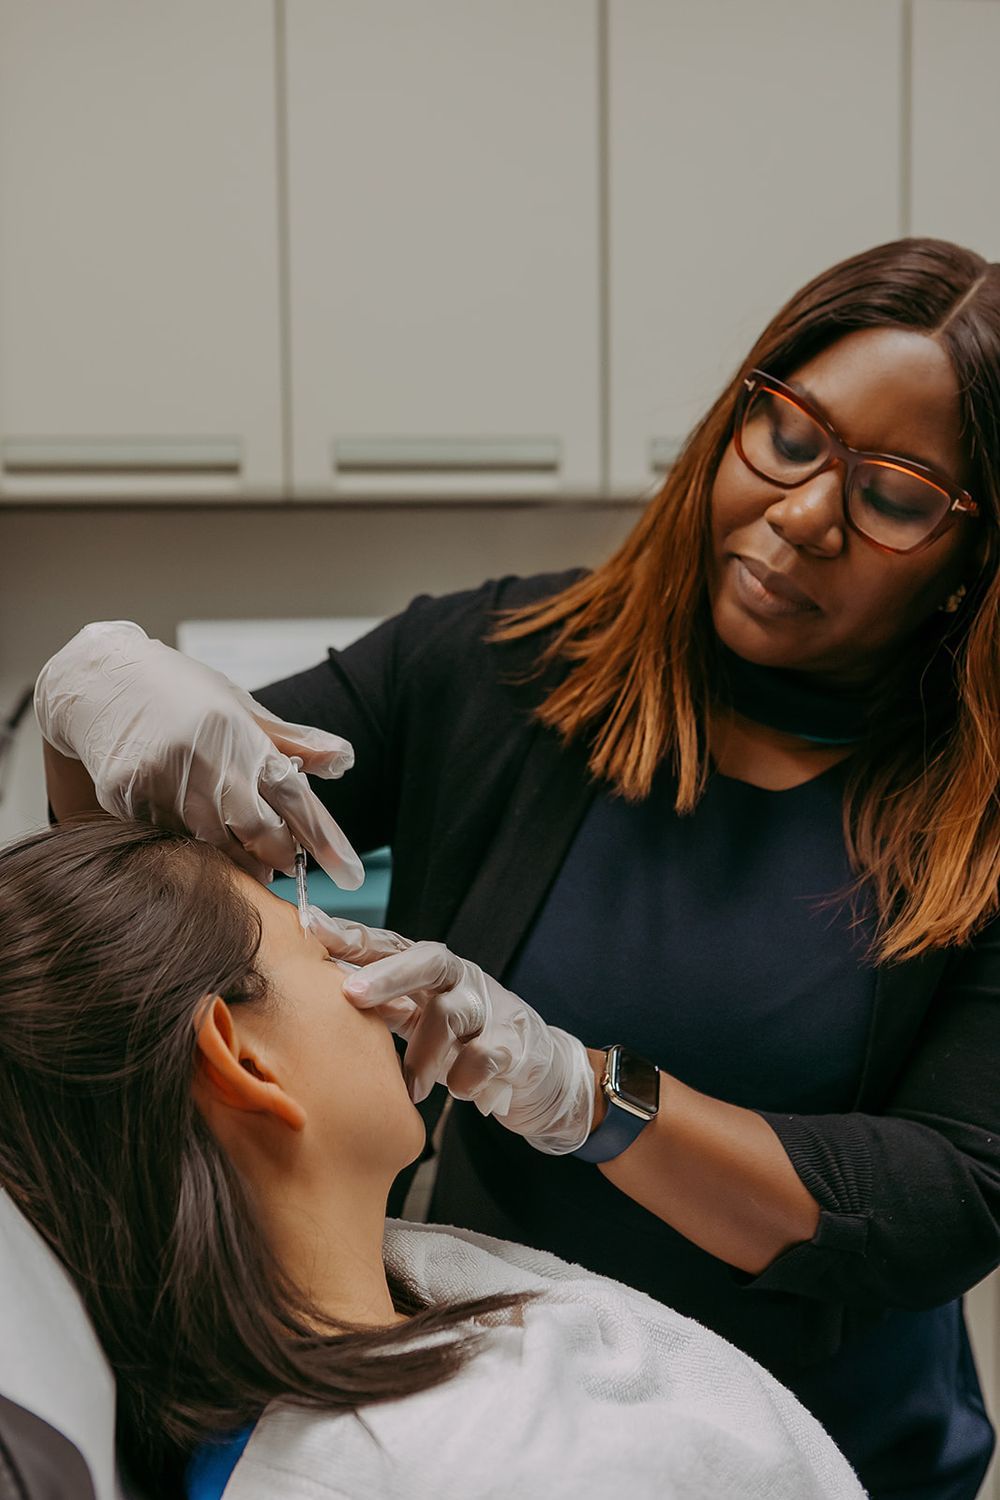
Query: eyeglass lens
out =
(889, 504)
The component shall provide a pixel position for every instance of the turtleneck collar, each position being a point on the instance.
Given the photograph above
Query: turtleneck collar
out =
(783, 700)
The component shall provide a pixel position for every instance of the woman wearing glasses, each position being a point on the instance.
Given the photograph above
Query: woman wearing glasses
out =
(723, 814)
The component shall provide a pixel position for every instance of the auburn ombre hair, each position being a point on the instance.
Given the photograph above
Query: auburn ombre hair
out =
(637, 646)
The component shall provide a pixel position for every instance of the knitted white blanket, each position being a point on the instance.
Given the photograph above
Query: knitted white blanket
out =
(599, 1391)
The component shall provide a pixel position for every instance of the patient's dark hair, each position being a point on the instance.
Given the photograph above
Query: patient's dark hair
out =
(110, 934)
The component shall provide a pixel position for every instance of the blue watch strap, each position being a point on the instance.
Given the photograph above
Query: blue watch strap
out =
(616, 1132)
(621, 1124)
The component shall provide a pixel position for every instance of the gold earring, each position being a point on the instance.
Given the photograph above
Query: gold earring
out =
(953, 601)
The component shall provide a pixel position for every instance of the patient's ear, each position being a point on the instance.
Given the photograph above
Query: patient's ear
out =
(232, 1072)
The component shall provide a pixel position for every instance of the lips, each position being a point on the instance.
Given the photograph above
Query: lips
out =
(777, 584)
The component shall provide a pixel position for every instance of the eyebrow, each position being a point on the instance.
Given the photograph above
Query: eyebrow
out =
(913, 458)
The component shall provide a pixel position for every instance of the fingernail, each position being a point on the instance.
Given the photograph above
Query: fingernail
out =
(356, 987)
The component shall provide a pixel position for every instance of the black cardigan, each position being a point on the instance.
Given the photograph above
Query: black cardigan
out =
(479, 804)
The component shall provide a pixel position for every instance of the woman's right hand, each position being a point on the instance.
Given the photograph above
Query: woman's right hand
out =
(168, 740)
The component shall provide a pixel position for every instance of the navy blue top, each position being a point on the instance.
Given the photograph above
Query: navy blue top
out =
(737, 977)
(715, 945)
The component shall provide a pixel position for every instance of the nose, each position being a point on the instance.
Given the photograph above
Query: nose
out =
(812, 516)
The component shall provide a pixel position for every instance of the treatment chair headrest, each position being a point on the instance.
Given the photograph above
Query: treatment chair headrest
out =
(51, 1363)
(36, 1461)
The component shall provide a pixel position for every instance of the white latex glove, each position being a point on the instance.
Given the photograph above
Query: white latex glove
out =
(169, 741)
(464, 1030)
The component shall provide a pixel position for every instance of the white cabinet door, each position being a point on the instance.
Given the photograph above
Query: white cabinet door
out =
(139, 293)
(443, 211)
(956, 122)
(752, 144)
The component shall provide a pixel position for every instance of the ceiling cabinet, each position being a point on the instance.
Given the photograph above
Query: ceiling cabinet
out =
(466, 249)
(443, 247)
(139, 293)
(956, 122)
(750, 147)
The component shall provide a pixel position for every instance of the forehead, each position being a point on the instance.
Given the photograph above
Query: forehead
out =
(890, 390)
(282, 935)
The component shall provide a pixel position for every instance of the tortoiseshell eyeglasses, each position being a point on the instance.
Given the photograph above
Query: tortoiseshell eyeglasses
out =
(894, 503)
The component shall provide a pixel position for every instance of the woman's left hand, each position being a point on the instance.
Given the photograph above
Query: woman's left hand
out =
(465, 1030)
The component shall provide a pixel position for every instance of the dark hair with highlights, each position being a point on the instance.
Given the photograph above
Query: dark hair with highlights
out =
(637, 648)
(111, 934)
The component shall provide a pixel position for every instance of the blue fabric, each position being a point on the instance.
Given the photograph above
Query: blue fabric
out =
(211, 1467)
(710, 944)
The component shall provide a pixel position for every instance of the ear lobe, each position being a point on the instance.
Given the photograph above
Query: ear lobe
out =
(234, 1074)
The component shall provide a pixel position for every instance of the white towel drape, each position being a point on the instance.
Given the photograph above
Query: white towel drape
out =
(595, 1390)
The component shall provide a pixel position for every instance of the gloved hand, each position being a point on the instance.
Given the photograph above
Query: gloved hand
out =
(170, 741)
(463, 1029)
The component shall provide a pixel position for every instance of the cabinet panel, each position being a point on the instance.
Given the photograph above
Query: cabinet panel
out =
(751, 145)
(139, 293)
(956, 122)
(443, 209)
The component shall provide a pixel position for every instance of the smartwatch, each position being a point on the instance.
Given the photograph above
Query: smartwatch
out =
(631, 1087)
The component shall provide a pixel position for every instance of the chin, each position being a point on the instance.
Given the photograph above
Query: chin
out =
(417, 1137)
(755, 642)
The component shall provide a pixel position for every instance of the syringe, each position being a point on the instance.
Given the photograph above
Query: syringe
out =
(301, 889)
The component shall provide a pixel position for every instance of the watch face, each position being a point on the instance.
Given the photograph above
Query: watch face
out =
(637, 1082)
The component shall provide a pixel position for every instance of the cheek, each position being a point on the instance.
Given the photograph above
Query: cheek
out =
(359, 1051)
(901, 594)
(365, 1095)
(737, 497)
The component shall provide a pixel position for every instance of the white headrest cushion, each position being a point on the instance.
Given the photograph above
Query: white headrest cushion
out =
(50, 1359)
